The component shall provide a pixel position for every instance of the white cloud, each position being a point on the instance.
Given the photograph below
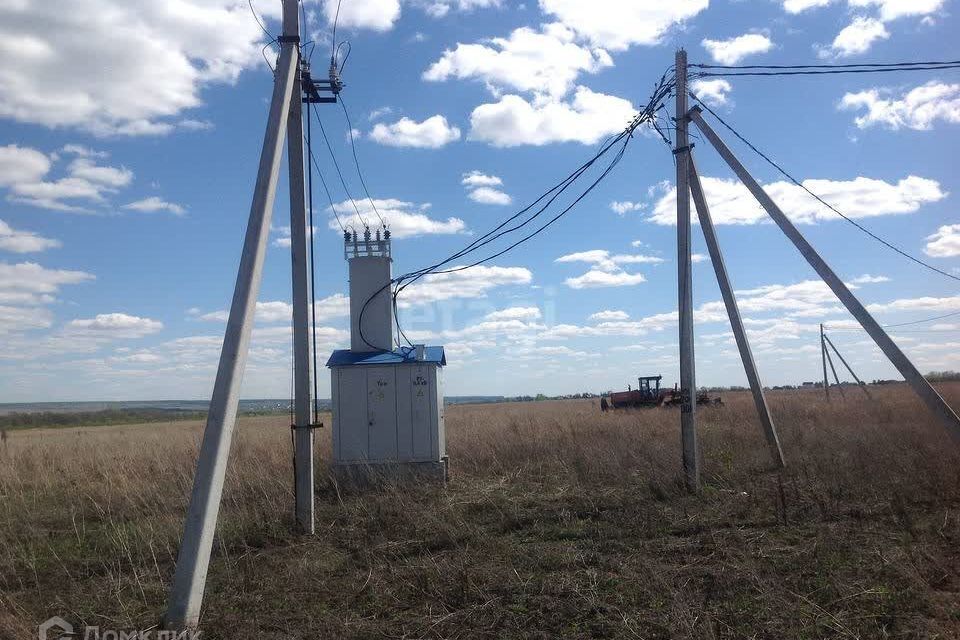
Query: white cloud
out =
(515, 313)
(33, 278)
(480, 179)
(698, 257)
(618, 24)
(893, 9)
(714, 92)
(432, 133)
(798, 6)
(113, 326)
(153, 203)
(624, 206)
(24, 241)
(869, 279)
(926, 303)
(514, 121)
(376, 15)
(917, 109)
(469, 283)
(22, 164)
(489, 195)
(603, 260)
(86, 169)
(160, 55)
(440, 8)
(405, 219)
(733, 50)
(861, 197)
(379, 112)
(857, 37)
(547, 61)
(945, 243)
(608, 314)
(333, 306)
(596, 278)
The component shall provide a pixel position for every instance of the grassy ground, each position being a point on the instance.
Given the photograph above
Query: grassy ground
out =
(557, 522)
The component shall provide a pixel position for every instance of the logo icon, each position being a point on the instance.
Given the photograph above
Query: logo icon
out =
(56, 628)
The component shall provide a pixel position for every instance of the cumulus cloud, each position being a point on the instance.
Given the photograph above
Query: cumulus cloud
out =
(515, 313)
(925, 303)
(893, 9)
(24, 290)
(608, 314)
(733, 50)
(546, 61)
(480, 179)
(153, 203)
(489, 195)
(603, 260)
(916, 109)
(513, 121)
(714, 92)
(440, 8)
(475, 282)
(432, 133)
(944, 243)
(376, 15)
(33, 278)
(619, 24)
(732, 203)
(621, 207)
(596, 278)
(22, 165)
(160, 56)
(857, 37)
(19, 241)
(113, 326)
(405, 219)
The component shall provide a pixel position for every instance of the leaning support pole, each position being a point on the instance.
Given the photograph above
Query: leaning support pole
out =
(300, 265)
(833, 369)
(733, 311)
(823, 357)
(849, 368)
(186, 593)
(916, 380)
(688, 383)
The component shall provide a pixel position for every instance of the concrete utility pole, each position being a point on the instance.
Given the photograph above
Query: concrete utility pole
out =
(733, 311)
(916, 380)
(186, 593)
(843, 394)
(300, 264)
(688, 381)
(849, 368)
(823, 357)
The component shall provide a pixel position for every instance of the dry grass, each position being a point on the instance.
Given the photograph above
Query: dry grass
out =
(558, 522)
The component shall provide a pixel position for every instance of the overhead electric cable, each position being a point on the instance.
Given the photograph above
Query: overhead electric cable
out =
(339, 172)
(903, 324)
(818, 198)
(356, 162)
(825, 65)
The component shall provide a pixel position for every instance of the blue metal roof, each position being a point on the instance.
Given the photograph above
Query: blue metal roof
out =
(345, 357)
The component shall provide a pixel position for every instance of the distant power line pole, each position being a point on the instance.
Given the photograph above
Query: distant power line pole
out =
(823, 357)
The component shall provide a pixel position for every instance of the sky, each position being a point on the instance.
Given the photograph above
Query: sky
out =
(130, 133)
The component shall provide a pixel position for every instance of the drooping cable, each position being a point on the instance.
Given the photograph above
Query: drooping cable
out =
(333, 36)
(356, 162)
(789, 177)
(902, 324)
(339, 172)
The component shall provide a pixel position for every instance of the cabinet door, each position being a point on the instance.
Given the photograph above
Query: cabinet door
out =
(421, 399)
(382, 412)
(350, 429)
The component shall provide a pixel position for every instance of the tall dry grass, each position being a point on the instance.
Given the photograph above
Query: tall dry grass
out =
(558, 521)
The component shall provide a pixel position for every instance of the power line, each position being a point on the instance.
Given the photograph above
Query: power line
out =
(825, 66)
(905, 324)
(333, 37)
(819, 199)
(339, 173)
(356, 161)
(817, 72)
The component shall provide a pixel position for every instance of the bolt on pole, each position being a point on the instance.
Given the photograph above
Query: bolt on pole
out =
(914, 378)
(189, 580)
(688, 384)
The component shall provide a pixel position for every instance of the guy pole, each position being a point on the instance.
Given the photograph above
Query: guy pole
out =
(688, 384)
(823, 357)
(910, 373)
(733, 311)
(849, 368)
(186, 593)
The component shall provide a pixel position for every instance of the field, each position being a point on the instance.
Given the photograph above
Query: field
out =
(558, 521)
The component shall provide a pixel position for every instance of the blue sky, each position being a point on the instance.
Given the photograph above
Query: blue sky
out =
(130, 134)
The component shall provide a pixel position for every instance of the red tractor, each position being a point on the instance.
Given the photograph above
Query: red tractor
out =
(649, 394)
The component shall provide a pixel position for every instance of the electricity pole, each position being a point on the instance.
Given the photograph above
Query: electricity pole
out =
(688, 385)
(823, 356)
